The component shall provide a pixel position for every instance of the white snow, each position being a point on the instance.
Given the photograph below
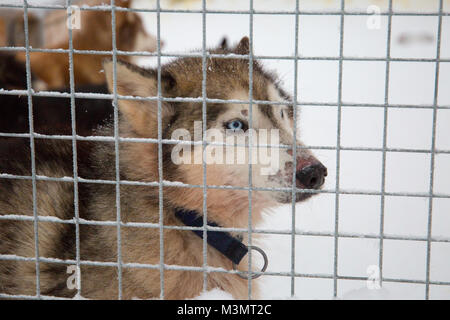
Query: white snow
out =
(214, 294)
(367, 294)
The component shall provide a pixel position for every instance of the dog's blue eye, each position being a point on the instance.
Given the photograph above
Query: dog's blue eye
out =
(235, 125)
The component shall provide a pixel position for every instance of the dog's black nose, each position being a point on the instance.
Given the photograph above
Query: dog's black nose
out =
(312, 176)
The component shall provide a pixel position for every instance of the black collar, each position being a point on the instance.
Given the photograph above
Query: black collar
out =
(222, 241)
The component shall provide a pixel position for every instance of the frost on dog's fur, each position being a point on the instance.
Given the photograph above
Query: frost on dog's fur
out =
(226, 79)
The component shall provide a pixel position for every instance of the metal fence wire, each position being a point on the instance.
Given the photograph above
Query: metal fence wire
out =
(204, 54)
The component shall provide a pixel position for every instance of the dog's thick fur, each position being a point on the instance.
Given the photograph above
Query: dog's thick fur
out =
(95, 34)
(226, 79)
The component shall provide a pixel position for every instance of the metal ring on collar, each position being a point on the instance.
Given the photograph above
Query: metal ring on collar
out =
(266, 263)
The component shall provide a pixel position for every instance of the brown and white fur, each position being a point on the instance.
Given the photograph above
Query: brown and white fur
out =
(226, 79)
(95, 34)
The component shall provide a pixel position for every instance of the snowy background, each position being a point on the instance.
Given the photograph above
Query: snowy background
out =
(410, 83)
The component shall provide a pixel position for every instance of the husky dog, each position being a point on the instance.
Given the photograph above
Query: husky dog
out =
(226, 79)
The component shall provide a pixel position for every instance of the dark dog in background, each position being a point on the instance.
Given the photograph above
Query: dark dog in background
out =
(51, 115)
(13, 75)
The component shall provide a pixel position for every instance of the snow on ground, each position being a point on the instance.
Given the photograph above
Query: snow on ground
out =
(215, 294)
(410, 83)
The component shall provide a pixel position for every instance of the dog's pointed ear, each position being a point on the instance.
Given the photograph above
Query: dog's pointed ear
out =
(243, 46)
(140, 115)
(224, 44)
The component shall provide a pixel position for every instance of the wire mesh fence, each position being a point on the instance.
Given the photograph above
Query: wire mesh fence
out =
(204, 54)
